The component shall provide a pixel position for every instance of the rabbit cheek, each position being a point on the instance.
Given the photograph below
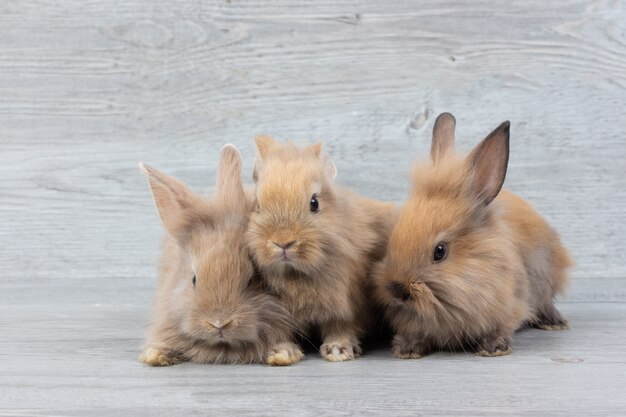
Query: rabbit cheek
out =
(425, 303)
(193, 328)
(307, 253)
(244, 326)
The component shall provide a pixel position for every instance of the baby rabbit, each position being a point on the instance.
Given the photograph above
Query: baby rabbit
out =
(207, 307)
(464, 269)
(315, 243)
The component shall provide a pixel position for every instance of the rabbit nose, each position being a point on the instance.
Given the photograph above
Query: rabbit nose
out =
(218, 324)
(285, 246)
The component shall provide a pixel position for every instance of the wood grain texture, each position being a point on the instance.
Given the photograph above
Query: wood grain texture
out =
(81, 360)
(90, 88)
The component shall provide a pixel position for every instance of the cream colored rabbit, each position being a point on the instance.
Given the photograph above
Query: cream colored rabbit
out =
(315, 243)
(208, 308)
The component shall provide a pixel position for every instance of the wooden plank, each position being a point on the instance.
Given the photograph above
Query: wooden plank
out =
(79, 359)
(91, 88)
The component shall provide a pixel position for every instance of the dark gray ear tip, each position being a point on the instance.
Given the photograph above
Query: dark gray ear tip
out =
(506, 126)
(445, 117)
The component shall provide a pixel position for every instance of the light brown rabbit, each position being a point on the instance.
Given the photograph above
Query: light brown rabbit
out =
(464, 269)
(208, 308)
(315, 243)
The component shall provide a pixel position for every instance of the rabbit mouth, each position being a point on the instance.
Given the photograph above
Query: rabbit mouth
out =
(284, 252)
(285, 257)
(224, 341)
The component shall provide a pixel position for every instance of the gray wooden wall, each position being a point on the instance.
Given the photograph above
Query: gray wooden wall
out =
(90, 88)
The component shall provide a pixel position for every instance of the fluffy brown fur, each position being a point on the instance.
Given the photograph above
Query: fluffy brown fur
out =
(207, 307)
(503, 263)
(316, 262)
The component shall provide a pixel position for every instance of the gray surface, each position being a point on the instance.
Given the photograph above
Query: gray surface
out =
(81, 359)
(90, 88)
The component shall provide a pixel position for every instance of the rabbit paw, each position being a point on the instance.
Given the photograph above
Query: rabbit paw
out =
(545, 326)
(156, 357)
(496, 352)
(404, 349)
(550, 320)
(284, 354)
(499, 347)
(337, 351)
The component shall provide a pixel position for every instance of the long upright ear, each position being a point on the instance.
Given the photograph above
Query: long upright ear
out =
(170, 196)
(443, 136)
(229, 173)
(488, 163)
(264, 145)
(315, 150)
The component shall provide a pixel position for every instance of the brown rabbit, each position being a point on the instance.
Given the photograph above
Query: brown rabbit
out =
(315, 243)
(207, 308)
(465, 269)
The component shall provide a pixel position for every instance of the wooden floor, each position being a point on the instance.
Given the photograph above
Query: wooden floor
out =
(90, 88)
(81, 359)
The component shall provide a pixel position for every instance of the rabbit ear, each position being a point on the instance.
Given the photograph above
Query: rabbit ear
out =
(443, 136)
(264, 145)
(315, 150)
(488, 163)
(329, 166)
(170, 196)
(229, 172)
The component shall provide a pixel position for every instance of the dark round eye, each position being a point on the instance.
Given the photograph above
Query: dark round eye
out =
(399, 291)
(193, 281)
(315, 205)
(440, 252)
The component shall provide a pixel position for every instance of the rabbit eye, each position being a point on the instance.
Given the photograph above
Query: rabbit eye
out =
(399, 291)
(440, 252)
(315, 205)
(193, 281)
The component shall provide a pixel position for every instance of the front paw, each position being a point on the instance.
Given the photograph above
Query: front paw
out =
(337, 351)
(284, 354)
(156, 357)
(499, 347)
(404, 349)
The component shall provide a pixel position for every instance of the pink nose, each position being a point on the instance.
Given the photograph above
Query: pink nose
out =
(219, 326)
(285, 246)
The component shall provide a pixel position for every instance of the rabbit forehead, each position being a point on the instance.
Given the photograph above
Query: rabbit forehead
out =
(289, 181)
(220, 254)
(423, 222)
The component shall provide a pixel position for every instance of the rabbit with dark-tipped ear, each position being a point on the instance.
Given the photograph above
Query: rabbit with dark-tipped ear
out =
(468, 263)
